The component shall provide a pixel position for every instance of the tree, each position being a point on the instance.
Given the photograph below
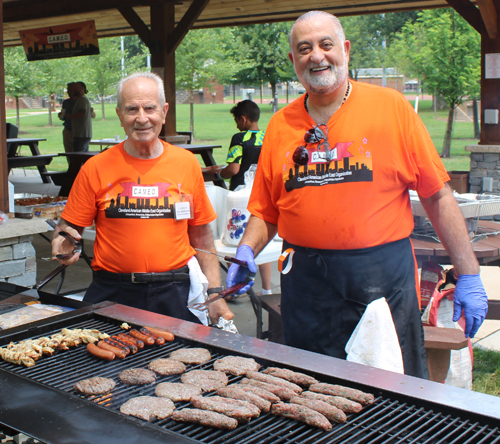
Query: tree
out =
(266, 46)
(20, 77)
(205, 56)
(441, 48)
(105, 69)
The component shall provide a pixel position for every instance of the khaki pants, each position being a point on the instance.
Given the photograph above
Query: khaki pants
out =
(68, 140)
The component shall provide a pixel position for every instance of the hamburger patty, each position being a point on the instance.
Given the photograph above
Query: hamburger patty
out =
(137, 376)
(191, 355)
(177, 391)
(95, 386)
(207, 380)
(148, 407)
(167, 366)
(236, 365)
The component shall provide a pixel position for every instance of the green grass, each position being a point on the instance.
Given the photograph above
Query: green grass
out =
(486, 372)
(214, 124)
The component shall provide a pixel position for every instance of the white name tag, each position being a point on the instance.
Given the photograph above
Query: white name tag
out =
(182, 210)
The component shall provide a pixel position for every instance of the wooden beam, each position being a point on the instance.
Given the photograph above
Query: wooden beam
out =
(137, 24)
(186, 24)
(489, 14)
(4, 176)
(20, 11)
(469, 12)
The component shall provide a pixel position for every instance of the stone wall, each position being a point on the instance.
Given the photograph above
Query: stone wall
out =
(18, 261)
(484, 163)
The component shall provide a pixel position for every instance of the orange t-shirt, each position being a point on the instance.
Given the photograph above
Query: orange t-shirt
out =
(380, 150)
(132, 202)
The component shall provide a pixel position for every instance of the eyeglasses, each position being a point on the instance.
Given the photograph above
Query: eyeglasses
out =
(317, 134)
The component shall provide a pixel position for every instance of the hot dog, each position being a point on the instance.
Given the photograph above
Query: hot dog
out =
(100, 353)
(158, 339)
(119, 353)
(165, 334)
(129, 345)
(117, 344)
(141, 336)
(127, 338)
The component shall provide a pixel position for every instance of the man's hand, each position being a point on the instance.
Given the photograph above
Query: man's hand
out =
(62, 245)
(470, 296)
(219, 309)
(238, 273)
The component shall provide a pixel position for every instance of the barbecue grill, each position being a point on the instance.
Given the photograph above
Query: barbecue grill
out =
(40, 401)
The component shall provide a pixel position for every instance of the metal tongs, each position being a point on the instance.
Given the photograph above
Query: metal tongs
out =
(78, 246)
(224, 293)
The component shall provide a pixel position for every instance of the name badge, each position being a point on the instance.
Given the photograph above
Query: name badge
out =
(182, 210)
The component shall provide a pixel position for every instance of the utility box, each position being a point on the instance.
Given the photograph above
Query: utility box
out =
(459, 181)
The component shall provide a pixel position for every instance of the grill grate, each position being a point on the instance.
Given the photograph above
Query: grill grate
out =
(385, 421)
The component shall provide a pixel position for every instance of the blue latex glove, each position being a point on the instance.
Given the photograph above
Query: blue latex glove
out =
(238, 273)
(470, 296)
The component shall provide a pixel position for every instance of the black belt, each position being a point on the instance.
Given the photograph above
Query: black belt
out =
(181, 274)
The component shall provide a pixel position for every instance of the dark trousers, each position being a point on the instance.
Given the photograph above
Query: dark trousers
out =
(166, 298)
(81, 143)
(326, 292)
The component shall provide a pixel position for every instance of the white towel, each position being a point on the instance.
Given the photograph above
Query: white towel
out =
(374, 341)
(197, 290)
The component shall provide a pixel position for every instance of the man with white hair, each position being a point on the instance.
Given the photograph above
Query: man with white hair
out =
(333, 179)
(151, 210)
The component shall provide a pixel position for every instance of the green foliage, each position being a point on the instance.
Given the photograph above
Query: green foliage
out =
(443, 50)
(266, 46)
(486, 371)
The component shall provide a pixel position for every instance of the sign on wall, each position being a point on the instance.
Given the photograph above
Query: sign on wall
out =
(53, 42)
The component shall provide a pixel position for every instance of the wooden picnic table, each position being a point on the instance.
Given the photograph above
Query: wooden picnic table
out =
(14, 160)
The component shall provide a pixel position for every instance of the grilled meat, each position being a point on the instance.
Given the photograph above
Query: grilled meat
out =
(329, 411)
(95, 386)
(346, 405)
(137, 376)
(148, 407)
(242, 411)
(283, 393)
(205, 418)
(345, 392)
(207, 380)
(177, 391)
(236, 365)
(260, 392)
(242, 395)
(274, 380)
(191, 355)
(167, 366)
(302, 414)
(295, 377)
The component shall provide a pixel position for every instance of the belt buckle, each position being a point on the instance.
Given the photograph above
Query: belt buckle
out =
(132, 278)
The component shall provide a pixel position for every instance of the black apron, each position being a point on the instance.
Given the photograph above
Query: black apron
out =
(326, 292)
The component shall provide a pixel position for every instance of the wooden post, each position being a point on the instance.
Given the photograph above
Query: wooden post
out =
(4, 185)
(163, 61)
(490, 88)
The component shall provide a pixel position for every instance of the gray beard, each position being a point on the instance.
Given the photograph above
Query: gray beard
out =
(315, 85)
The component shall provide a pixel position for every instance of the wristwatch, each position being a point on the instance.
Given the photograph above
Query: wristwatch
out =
(214, 290)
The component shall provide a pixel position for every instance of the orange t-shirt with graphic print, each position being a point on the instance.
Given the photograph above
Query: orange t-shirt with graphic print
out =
(133, 202)
(380, 149)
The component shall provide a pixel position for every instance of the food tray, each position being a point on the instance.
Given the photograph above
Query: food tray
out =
(39, 205)
(471, 205)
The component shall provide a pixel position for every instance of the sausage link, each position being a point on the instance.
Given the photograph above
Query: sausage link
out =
(100, 353)
(158, 339)
(138, 335)
(165, 334)
(119, 353)
(127, 338)
(130, 346)
(116, 344)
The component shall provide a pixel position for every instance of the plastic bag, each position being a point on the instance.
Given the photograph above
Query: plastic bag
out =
(439, 313)
(3, 217)
(237, 214)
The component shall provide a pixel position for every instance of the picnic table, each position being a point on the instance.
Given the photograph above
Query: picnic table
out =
(15, 160)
